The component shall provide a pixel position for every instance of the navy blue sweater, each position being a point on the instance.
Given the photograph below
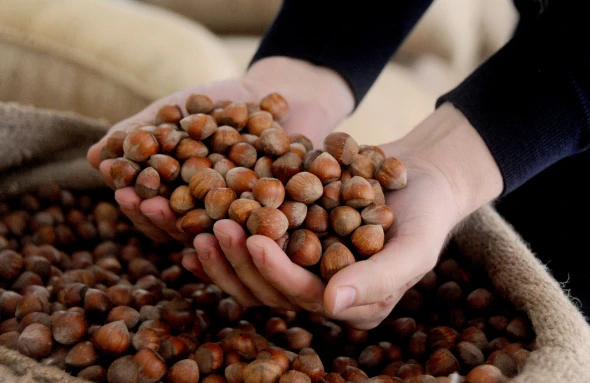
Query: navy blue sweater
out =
(530, 101)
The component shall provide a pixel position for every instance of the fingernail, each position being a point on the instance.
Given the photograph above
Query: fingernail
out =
(223, 239)
(344, 298)
(203, 254)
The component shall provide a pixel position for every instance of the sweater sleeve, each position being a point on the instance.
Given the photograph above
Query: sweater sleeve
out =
(354, 38)
(530, 102)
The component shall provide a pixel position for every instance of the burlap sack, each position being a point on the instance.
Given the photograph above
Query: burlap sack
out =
(563, 336)
(102, 58)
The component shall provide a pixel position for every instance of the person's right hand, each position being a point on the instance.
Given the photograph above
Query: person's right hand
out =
(318, 99)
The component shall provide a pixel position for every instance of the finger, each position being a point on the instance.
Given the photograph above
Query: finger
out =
(220, 271)
(299, 285)
(373, 280)
(191, 262)
(129, 203)
(367, 317)
(105, 171)
(232, 239)
(94, 152)
(157, 210)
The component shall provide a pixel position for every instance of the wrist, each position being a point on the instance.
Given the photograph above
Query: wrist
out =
(302, 84)
(447, 143)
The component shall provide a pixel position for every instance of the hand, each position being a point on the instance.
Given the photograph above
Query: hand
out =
(306, 88)
(442, 189)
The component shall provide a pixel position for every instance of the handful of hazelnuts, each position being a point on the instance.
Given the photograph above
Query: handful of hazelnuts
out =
(233, 160)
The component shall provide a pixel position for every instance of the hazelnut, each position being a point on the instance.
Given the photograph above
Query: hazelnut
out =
(184, 371)
(115, 143)
(224, 138)
(283, 242)
(469, 355)
(93, 374)
(190, 166)
(362, 166)
(35, 341)
(344, 220)
(485, 373)
(124, 172)
(293, 376)
(274, 326)
(304, 187)
(241, 343)
(167, 167)
(96, 302)
(147, 183)
(140, 145)
(274, 142)
(379, 198)
(112, 338)
(35, 317)
(31, 303)
(181, 200)
(259, 121)
(199, 103)
(127, 314)
(371, 356)
(68, 327)
(317, 220)
(298, 149)
(262, 370)
(277, 105)
(240, 210)
(218, 201)
(330, 198)
(241, 179)
(167, 136)
(335, 258)
(354, 374)
(358, 192)
(378, 215)
(168, 113)
(146, 338)
(330, 239)
(150, 366)
(333, 377)
(235, 115)
(122, 370)
(82, 355)
(9, 339)
(341, 146)
(301, 139)
(204, 180)
(304, 248)
(209, 357)
(442, 337)
(243, 154)
(392, 174)
(295, 213)
(474, 336)
(270, 192)
(417, 344)
(326, 168)
(263, 167)
(374, 153)
(368, 239)
(187, 148)
(449, 294)
(11, 264)
(503, 362)
(286, 166)
(199, 126)
(519, 329)
(234, 372)
(267, 221)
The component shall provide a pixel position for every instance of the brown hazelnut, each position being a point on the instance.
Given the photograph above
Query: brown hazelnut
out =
(274, 142)
(224, 138)
(184, 371)
(354, 374)
(298, 149)
(503, 362)
(127, 314)
(68, 327)
(240, 210)
(82, 355)
(298, 138)
(198, 103)
(35, 341)
(283, 242)
(362, 166)
(96, 302)
(233, 373)
(124, 172)
(115, 143)
(263, 167)
(304, 248)
(344, 220)
(30, 303)
(304, 187)
(8, 325)
(235, 115)
(326, 168)
(190, 166)
(167, 167)
(168, 113)
(146, 338)
(333, 377)
(286, 166)
(335, 258)
(358, 192)
(392, 174)
(122, 370)
(277, 105)
(241, 179)
(485, 373)
(519, 329)
(9, 339)
(267, 221)
(378, 215)
(204, 180)
(140, 145)
(112, 338)
(168, 136)
(151, 367)
(341, 146)
(368, 239)
(147, 183)
(317, 220)
(187, 148)
(270, 192)
(262, 370)
(330, 239)
(243, 154)
(469, 355)
(11, 263)
(199, 126)
(330, 198)
(181, 200)
(295, 213)
(293, 376)
(258, 122)
(442, 337)
(218, 201)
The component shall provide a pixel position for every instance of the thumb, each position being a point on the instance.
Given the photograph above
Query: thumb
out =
(393, 270)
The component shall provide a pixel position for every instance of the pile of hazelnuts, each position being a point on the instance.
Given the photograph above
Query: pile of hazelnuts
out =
(82, 290)
(234, 160)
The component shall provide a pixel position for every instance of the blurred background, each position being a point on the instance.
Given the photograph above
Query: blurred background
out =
(108, 59)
